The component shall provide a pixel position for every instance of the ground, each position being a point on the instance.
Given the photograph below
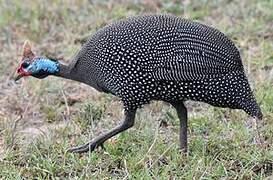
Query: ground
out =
(41, 119)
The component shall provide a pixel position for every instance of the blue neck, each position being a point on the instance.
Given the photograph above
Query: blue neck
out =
(45, 64)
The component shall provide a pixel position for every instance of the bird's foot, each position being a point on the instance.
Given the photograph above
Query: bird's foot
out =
(90, 146)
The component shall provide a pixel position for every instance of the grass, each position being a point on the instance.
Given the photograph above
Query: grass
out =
(40, 120)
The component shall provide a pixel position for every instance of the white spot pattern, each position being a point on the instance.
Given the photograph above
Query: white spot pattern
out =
(163, 57)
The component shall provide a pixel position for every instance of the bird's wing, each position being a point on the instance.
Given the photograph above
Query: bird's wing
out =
(191, 67)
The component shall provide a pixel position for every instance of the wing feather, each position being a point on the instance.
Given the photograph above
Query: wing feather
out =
(189, 68)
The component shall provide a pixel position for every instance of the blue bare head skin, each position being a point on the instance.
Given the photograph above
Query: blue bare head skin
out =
(43, 64)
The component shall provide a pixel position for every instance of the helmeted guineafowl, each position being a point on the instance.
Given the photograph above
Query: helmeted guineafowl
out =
(154, 57)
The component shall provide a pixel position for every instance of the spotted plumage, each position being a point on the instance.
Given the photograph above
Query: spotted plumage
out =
(161, 57)
(166, 58)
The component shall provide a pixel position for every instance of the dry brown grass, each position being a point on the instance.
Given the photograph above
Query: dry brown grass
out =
(50, 111)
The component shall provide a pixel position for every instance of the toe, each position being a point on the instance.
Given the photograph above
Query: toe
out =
(81, 149)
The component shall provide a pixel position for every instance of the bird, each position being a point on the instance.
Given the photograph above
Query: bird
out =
(153, 57)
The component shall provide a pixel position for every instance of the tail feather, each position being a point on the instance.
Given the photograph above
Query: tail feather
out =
(252, 108)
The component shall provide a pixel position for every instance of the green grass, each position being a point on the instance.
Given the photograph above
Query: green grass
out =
(40, 120)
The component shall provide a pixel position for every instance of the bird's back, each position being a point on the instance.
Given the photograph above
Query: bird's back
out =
(160, 43)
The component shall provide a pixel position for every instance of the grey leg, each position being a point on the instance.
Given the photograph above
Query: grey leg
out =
(98, 141)
(183, 117)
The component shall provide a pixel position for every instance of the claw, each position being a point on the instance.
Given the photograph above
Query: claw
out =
(102, 147)
(80, 149)
(85, 148)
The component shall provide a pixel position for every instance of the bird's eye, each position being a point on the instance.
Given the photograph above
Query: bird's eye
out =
(25, 64)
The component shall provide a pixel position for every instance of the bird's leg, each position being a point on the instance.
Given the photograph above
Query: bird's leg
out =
(98, 141)
(258, 138)
(183, 117)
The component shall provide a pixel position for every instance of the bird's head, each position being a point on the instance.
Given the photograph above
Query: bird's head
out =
(36, 66)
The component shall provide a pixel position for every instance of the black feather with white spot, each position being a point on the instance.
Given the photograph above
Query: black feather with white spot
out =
(163, 57)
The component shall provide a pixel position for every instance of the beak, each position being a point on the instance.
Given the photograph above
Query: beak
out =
(17, 77)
